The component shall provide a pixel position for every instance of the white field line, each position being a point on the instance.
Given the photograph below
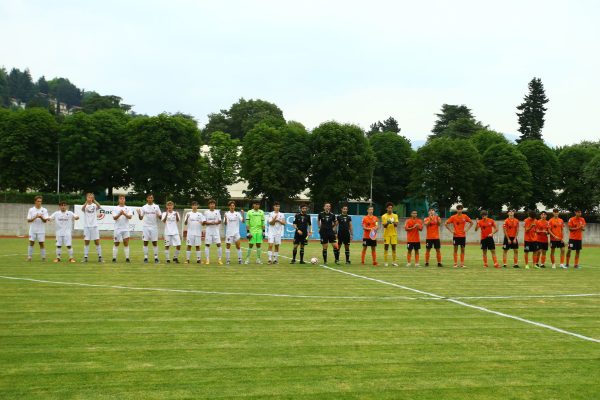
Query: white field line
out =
(532, 296)
(12, 255)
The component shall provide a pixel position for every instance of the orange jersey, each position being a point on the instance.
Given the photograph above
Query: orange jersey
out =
(511, 225)
(459, 222)
(486, 226)
(413, 235)
(530, 234)
(433, 227)
(557, 227)
(541, 227)
(369, 222)
(576, 222)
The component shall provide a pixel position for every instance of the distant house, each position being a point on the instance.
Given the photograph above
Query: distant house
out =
(16, 103)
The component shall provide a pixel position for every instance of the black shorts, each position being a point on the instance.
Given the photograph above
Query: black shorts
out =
(542, 246)
(328, 237)
(574, 244)
(369, 242)
(459, 241)
(343, 237)
(413, 246)
(530, 247)
(432, 243)
(507, 245)
(557, 244)
(300, 239)
(488, 244)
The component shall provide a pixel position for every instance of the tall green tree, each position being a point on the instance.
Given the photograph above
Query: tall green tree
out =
(486, 138)
(591, 175)
(242, 116)
(20, 84)
(507, 178)
(342, 163)
(455, 121)
(64, 91)
(275, 161)
(576, 192)
(95, 102)
(531, 111)
(163, 154)
(392, 166)
(220, 166)
(445, 171)
(27, 149)
(4, 90)
(388, 125)
(543, 164)
(42, 85)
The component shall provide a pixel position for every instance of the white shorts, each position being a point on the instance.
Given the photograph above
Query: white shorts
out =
(91, 233)
(232, 238)
(275, 239)
(64, 240)
(119, 236)
(149, 234)
(194, 240)
(172, 240)
(37, 237)
(211, 238)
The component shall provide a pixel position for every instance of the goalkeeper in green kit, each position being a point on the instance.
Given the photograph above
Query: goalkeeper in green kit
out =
(255, 220)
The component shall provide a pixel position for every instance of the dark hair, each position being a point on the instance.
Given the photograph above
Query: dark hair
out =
(36, 198)
(149, 194)
(431, 208)
(194, 203)
(326, 203)
(484, 212)
(255, 201)
(303, 205)
(543, 212)
(555, 210)
(389, 203)
(276, 203)
(531, 214)
(231, 202)
(122, 195)
(459, 207)
(62, 203)
(345, 205)
(577, 209)
(212, 201)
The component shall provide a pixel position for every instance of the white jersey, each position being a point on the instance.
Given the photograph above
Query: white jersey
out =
(212, 216)
(151, 214)
(194, 223)
(37, 226)
(90, 215)
(233, 223)
(171, 228)
(63, 222)
(122, 223)
(277, 228)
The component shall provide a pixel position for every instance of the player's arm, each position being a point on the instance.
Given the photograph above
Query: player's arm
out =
(470, 222)
(164, 217)
(128, 216)
(476, 225)
(351, 229)
(310, 231)
(97, 204)
(116, 217)
(140, 214)
(494, 229)
(447, 225)
(75, 217)
(31, 218)
(420, 226)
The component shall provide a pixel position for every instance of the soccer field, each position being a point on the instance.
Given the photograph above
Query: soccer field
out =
(144, 331)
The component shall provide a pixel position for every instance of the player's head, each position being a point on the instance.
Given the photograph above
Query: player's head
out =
(459, 208)
(431, 211)
(37, 200)
(89, 197)
(212, 204)
(194, 205)
(150, 198)
(413, 214)
(256, 204)
(389, 207)
(543, 215)
(511, 213)
(276, 206)
(170, 205)
(231, 205)
(578, 212)
(555, 212)
(304, 208)
(345, 209)
(531, 214)
(327, 207)
(483, 213)
(121, 199)
(370, 210)
(63, 206)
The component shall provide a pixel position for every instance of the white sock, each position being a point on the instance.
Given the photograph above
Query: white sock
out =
(167, 254)
(99, 250)
(43, 252)
(176, 253)
(126, 251)
(86, 250)
(239, 254)
(115, 251)
(155, 248)
(58, 252)
(146, 252)
(207, 252)
(29, 251)
(276, 255)
(188, 254)
(70, 252)
(220, 251)
(270, 254)
(227, 254)
(198, 254)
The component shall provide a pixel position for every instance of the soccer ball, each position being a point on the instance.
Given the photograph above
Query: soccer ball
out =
(314, 260)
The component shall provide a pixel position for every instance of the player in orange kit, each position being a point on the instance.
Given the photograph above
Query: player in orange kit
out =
(488, 229)
(511, 232)
(557, 230)
(530, 238)
(412, 227)
(433, 222)
(576, 227)
(369, 224)
(459, 233)
(541, 228)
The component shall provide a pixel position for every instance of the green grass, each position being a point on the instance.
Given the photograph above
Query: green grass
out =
(83, 342)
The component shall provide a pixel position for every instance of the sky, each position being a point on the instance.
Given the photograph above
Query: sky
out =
(349, 61)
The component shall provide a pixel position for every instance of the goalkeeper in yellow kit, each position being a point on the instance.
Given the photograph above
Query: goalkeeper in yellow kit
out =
(390, 236)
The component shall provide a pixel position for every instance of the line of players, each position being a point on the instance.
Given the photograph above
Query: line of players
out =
(333, 229)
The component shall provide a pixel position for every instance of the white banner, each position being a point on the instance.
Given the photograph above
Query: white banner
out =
(106, 221)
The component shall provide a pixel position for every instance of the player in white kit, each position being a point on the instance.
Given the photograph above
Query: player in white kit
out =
(212, 234)
(171, 219)
(275, 224)
(37, 217)
(232, 231)
(193, 233)
(149, 214)
(121, 214)
(90, 226)
(63, 221)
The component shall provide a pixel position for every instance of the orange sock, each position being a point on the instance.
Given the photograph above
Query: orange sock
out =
(362, 256)
(416, 258)
(427, 257)
(455, 258)
(485, 260)
(495, 259)
(408, 257)
(576, 260)
(439, 256)
(568, 258)
(535, 258)
(462, 258)
(552, 258)
(516, 258)
(543, 259)
(374, 255)
(504, 259)
(562, 258)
